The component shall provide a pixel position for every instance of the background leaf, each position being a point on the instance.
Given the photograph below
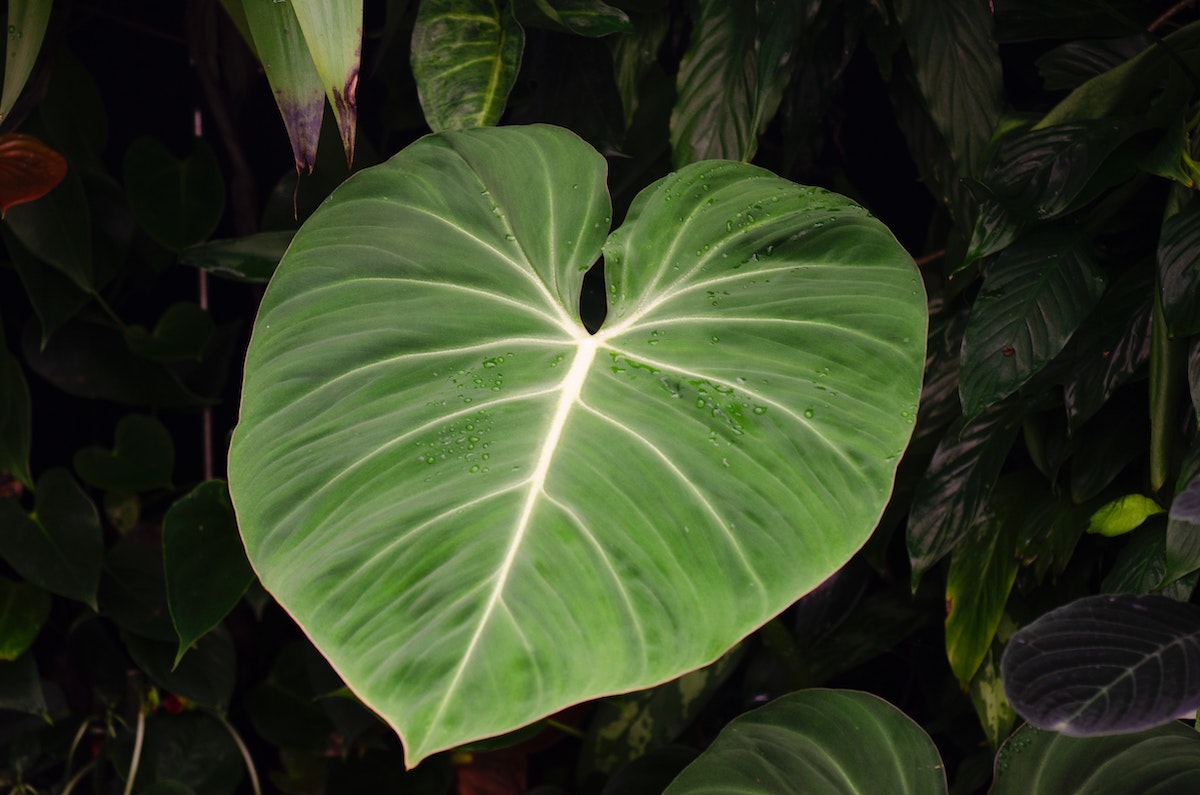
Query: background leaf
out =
(1161, 761)
(1183, 533)
(465, 56)
(28, 168)
(27, 20)
(817, 742)
(1106, 664)
(15, 418)
(142, 457)
(1178, 252)
(745, 368)
(23, 610)
(178, 202)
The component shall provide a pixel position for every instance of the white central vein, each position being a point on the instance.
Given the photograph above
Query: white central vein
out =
(571, 388)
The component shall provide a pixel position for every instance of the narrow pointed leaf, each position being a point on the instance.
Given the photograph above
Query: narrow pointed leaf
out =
(27, 21)
(333, 32)
(465, 56)
(293, 77)
(1106, 664)
(818, 742)
(1032, 300)
(731, 78)
(957, 483)
(204, 563)
(957, 65)
(454, 487)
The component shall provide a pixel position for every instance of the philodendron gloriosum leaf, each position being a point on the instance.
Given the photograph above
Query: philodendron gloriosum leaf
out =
(462, 495)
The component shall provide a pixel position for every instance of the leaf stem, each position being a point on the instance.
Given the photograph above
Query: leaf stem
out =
(1166, 15)
(83, 771)
(138, 737)
(246, 757)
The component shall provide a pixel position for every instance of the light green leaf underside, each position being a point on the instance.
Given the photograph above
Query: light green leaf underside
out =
(460, 493)
(333, 32)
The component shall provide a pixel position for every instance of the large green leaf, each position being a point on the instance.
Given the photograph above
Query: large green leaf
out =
(957, 65)
(457, 490)
(465, 56)
(731, 78)
(1031, 302)
(818, 742)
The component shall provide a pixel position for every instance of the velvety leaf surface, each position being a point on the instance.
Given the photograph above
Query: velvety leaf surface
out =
(454, 487)
(465, 56)
(27, 21)
(1106, 664)
(1030, 304)
(817, 742)
(1178, 276)
(23, 610)
(731, 78)
(203, 560)
(178, 202)
(279, 42)
(333, 32)
(60, 547)
(957, 483)
(142, 457)
(1161, 761)
(957, 65)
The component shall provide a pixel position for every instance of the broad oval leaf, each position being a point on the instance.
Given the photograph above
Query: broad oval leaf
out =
(818, 742)
(456, 489)
(1106, 664)
(1161, 761)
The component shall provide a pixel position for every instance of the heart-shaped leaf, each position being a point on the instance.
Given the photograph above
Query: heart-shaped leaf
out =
(28, 169)
(818, 742)
(178, 202)
(457, 490)
(142, 457)
(1106, 664)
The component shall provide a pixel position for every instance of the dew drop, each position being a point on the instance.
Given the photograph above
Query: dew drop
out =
(808, 413)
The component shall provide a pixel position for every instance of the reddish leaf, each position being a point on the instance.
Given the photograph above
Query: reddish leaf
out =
(28, 169)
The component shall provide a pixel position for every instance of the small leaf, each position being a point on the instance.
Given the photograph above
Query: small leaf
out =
(205, 564)
(1178, 276)
(293, 77)
(60, 547)
(957, 66)
(1183, 533)
(957, 484)
(1033, 298)
(1123, 515)
(27, 21)
(28, 168)
(15, 418)
(252, 258)
(141, 460)
(1106, 664)
(333, 32)
(181, 333)
(23, 610)
(817, 742)
(178, 202)
(465, 57)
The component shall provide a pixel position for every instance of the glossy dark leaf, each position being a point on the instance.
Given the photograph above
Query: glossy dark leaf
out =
(1033, 298)
(205, 676)
(55, 298)
(1162, 761)
(1183, 533)
(1106, 664)
(957, 66)
(28, 168)
(1110, 347)
(1048, 538)
(133, 591)
(957, 484)
(60, 547)
(995, 230)
(983, 568)
(1141, 564)
(178, 202)
(23, 609)
(817, 742)
(591, 18)
(57, 229)
(1178, 276)
(1070, 64)
(142, 457)
(181, 333)
(465, 57)
(731, 78)
(1103, 448)
(245, 259)
(205, 563)
(15, 418)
